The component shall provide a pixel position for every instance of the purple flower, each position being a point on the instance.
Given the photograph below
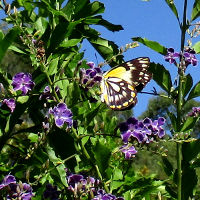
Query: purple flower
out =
(51, 192)
(10, 103)
(143, 131)
(23, 82)
(21, 191)
(101, 195)
(171, 56)
(61, 115)
(79, 184)
(128, 151)
(7, 181)
(190, 57)
(91, 76)
(75, 181)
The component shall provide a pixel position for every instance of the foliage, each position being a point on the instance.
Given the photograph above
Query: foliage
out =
(57, 135)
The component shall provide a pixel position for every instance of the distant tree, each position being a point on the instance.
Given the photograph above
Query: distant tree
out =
(13, 62)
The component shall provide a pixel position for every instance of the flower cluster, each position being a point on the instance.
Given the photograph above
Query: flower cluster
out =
(23, 82)
(195, 112)
(91, 76)
(51, 192)
(101, 195)
(144, 131)
(15, 190)
(62, 115)
(80, 185)
(188, 54)
(10, 103)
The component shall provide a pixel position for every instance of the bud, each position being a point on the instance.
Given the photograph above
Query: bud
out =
(15, 11)
(7, 8)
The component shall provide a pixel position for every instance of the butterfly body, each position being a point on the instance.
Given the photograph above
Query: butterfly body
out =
(120, 84)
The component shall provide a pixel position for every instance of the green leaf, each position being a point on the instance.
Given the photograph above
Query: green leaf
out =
(41, 25)
(68, 9)
(70, 43)
(22, 99)
(195, 92)
(102, 154)
(60, 167)
(64, 88)
(53, 66)
(107, 49)
(87, 10)
(188, 176)
(116, 184)
(196, 47)
(45, 5)
(98, 20)
(33, 137)
(90, 115)
(8, 40)
(190, 150)
(168, 168)
(189, 123)
(152, 44)
(195, 10)
(16, 49)
(117, 175)
(73, 93)
(171, 4)
(161, 76)
(64, 30)
(187, 84)
(173, 120)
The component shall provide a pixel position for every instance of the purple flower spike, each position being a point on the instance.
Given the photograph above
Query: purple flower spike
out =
(10, 103)
(9, 179)
(128, 151)
(142, 131)
(171, 55)
(23, 82)
(190, 57)
(62, 115)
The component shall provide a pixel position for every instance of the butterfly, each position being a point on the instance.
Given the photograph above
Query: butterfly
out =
(120, 85)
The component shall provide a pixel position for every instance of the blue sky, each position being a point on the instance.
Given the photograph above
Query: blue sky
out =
(150, 19)
(153, 20)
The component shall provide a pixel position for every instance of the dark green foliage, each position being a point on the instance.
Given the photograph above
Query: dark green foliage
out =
(46, 40)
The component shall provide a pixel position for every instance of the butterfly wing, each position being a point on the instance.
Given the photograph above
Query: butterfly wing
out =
(117, 93)
(120, 85)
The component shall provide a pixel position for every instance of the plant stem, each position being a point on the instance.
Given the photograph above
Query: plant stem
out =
(180, 101)
(179, 159)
